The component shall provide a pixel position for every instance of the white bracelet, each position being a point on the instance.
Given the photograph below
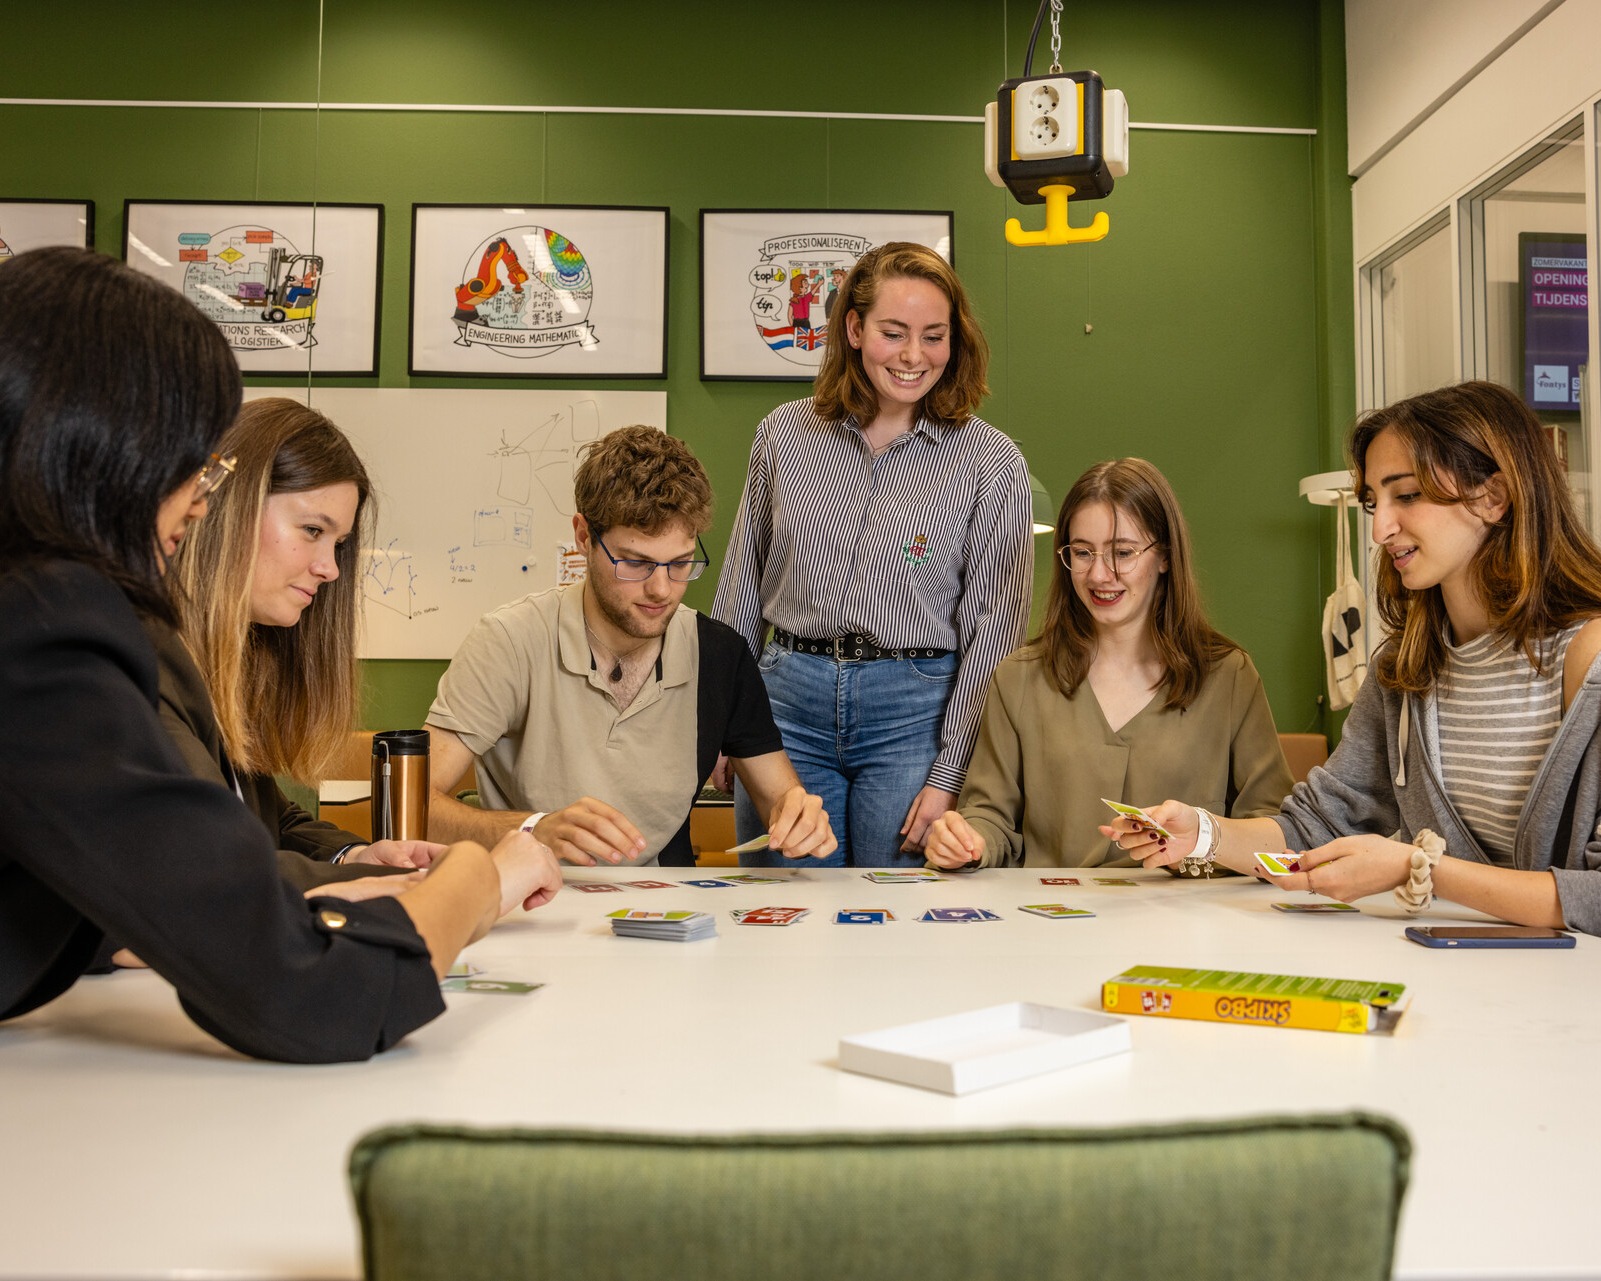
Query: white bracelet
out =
(1208, 835)
(529, 823)
(1416, 893)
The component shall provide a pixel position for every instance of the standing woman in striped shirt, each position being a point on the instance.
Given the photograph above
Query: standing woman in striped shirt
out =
(885, 537)
(1470, 768)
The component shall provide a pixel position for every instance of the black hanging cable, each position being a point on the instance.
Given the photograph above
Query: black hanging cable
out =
(1033, 39)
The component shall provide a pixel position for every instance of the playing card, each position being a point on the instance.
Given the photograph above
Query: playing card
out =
(710, 883)
(1274, 863)
(750, 847)
(489, 987)
(1135, 812)
(770, 915)
(958, 914)
(1058, 880)
(863, 916)
(747, 878)
(907, 876)
(1114, 880)
(1056, 911)
(1314, 907)
(648, 885)
(594, 887)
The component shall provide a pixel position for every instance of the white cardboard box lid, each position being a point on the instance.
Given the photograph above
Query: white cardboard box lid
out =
(961, 1053)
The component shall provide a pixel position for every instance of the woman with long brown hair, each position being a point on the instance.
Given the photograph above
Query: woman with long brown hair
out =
(1470, 766)
(268, 598)
(1126, 692)
(884, 536)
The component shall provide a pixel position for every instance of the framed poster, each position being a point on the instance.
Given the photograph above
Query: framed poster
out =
(540, 291)
(768, 280)
(32, 224)
(294, 288)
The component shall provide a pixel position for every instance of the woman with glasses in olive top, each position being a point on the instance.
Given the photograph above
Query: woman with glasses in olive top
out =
(1126, 692)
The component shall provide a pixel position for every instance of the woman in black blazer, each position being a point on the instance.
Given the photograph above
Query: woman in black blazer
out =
(114, 392)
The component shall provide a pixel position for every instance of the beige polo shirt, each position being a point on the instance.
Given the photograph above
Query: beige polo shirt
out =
(523, 695)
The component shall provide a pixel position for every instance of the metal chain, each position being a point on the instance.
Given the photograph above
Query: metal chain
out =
(1056, 37)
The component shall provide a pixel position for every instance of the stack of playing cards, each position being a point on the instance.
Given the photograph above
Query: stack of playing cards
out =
(677, 927)
(770, 915)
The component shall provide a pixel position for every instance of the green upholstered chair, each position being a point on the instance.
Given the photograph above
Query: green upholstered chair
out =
(1280, 1198)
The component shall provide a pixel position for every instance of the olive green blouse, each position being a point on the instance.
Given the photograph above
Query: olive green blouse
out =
(1043, 762)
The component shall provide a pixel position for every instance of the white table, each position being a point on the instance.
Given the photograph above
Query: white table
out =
(135, 1146)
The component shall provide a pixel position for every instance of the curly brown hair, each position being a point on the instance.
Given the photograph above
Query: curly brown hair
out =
(643, 478)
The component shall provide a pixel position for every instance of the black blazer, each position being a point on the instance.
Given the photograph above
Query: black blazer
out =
(305, 844)
(104, 830)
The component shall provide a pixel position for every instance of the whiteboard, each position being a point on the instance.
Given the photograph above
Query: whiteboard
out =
(475, 498)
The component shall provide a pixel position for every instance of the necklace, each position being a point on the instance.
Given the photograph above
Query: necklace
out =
(616, 673)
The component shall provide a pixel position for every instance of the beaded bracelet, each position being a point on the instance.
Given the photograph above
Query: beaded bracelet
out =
(1208, 835)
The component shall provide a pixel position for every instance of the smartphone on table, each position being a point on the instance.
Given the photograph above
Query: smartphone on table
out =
(1488, 936)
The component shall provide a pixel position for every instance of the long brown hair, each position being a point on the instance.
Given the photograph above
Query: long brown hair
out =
(1537, 571)
(842, 387)
(284, 696)
(1188, 645)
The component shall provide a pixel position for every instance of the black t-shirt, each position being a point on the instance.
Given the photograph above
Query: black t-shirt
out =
(732, 715)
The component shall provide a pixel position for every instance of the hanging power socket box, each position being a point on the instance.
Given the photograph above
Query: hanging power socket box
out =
(1056, 129)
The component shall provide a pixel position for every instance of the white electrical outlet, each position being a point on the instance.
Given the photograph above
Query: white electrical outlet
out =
(1045, 121)
(1114, 132)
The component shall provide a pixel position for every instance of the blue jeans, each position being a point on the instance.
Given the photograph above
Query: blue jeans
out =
(862, 736)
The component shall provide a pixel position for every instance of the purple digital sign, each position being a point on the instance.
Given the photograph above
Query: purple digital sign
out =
(1554, 289)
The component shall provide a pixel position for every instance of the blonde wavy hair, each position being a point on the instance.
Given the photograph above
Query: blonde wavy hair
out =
(284, 697)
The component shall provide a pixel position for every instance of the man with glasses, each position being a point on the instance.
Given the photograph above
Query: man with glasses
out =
(596, 710)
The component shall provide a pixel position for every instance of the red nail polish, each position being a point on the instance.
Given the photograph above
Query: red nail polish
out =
(1293, 866)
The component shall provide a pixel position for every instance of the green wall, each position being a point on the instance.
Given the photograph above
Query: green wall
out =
(1220, 304)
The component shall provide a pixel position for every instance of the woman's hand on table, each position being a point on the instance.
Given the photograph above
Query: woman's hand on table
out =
(799, 826)
(396, 853)
(952, 841)
(530, 873)
(590, 831)
(1348, 868)
(927, 806)
(1141, 843)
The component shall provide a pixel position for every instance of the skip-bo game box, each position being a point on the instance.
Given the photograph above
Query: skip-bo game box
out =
(1263, 1000)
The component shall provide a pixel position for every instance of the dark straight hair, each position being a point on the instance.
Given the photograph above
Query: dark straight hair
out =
(114, 390)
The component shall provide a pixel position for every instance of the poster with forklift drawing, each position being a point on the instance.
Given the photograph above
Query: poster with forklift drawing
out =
(539, 291)
(293, 287)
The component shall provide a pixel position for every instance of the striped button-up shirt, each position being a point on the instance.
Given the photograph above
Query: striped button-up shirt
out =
(928, 544)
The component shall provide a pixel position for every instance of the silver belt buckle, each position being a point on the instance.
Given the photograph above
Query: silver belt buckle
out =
(837, 640)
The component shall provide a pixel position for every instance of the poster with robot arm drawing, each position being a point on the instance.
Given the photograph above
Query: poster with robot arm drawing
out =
(539, 291)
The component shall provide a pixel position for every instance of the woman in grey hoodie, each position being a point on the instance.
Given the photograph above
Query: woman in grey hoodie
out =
(1470, 766)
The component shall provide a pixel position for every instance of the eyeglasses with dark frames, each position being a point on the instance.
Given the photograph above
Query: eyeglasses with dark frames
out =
(631, 570)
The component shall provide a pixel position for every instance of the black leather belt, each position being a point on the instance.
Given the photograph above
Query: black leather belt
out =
(855, 648)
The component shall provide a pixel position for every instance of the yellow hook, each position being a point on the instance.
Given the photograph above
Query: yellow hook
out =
(1057, 231)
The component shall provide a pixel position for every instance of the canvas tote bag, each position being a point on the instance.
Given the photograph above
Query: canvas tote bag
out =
(1345, 654)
